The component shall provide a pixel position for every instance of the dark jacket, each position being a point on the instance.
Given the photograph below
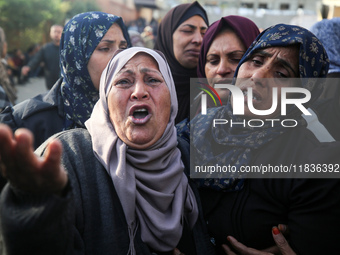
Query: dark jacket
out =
(308, 206)
(42, 115)
(49, 55)
(88, 219)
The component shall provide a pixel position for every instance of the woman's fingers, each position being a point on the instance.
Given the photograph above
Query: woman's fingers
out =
(227, 250)
(27, 171)
(24, 152)
(52, 165)
(7, 143)
(244, 250)
(283, 229)
(6, 140)
(281, 242)
(282, 245)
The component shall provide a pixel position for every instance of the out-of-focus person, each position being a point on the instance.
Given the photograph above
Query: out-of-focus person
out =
(148, 37)
(328, 32)
(88, 42)
(49, 56)
(136, 38)
(7, 89)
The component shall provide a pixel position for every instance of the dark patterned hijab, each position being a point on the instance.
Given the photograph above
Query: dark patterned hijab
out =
(80, 38)
(239, 142)
(313, 58)
(164, 43)
(328, 32)
(243, 27)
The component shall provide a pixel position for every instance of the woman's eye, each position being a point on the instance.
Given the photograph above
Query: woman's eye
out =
(154, 81)
(281, 75)
(123, 82)
(123, 46)
(257, 61)
(235, 57)
(105, 49)
(214, 62)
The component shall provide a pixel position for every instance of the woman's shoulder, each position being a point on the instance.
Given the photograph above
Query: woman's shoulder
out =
(4, 101)
(77, 152)
(40, 103)
(74, 139)
(43, 108)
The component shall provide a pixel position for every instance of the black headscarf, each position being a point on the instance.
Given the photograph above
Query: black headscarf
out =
(164, 43)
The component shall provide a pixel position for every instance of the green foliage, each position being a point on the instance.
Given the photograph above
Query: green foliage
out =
(79, 6)
(28, 21)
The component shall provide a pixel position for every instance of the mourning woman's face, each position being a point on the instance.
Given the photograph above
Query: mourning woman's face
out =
(265, 69)
(139, 102)
(112, 41)
(223, 56)
(187, 41)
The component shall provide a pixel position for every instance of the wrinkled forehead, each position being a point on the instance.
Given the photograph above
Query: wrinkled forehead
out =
(119, 61)
(141, 58)
(130, 56)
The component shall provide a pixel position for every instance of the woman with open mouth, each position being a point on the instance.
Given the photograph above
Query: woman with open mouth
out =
(117, 187)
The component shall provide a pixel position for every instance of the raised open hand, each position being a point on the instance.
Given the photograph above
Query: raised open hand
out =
(25, 170)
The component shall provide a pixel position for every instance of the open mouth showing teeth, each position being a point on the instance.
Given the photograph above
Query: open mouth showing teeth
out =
(140, 113)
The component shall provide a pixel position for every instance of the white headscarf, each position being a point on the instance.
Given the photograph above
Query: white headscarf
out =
(150, 183)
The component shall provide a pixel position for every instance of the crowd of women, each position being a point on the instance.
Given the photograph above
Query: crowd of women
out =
(101, 163)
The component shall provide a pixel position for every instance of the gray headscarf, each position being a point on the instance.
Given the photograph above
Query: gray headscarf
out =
(150, 183)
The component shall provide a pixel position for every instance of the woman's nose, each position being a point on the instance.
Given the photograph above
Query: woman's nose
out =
(262, 72)
(139, 91)
(224, 68)
(261, 77)
(198, 37)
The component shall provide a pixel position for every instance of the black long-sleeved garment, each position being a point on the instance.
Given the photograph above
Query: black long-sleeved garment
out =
(310, 207)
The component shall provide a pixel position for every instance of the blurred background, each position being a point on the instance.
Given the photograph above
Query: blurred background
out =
(27, 22)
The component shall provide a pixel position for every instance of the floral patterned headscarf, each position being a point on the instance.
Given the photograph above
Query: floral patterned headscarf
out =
(80, 38)
(313, 58)
(240, 142)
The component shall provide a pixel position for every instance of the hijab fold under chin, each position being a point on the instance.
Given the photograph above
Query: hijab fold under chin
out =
(150, 183)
